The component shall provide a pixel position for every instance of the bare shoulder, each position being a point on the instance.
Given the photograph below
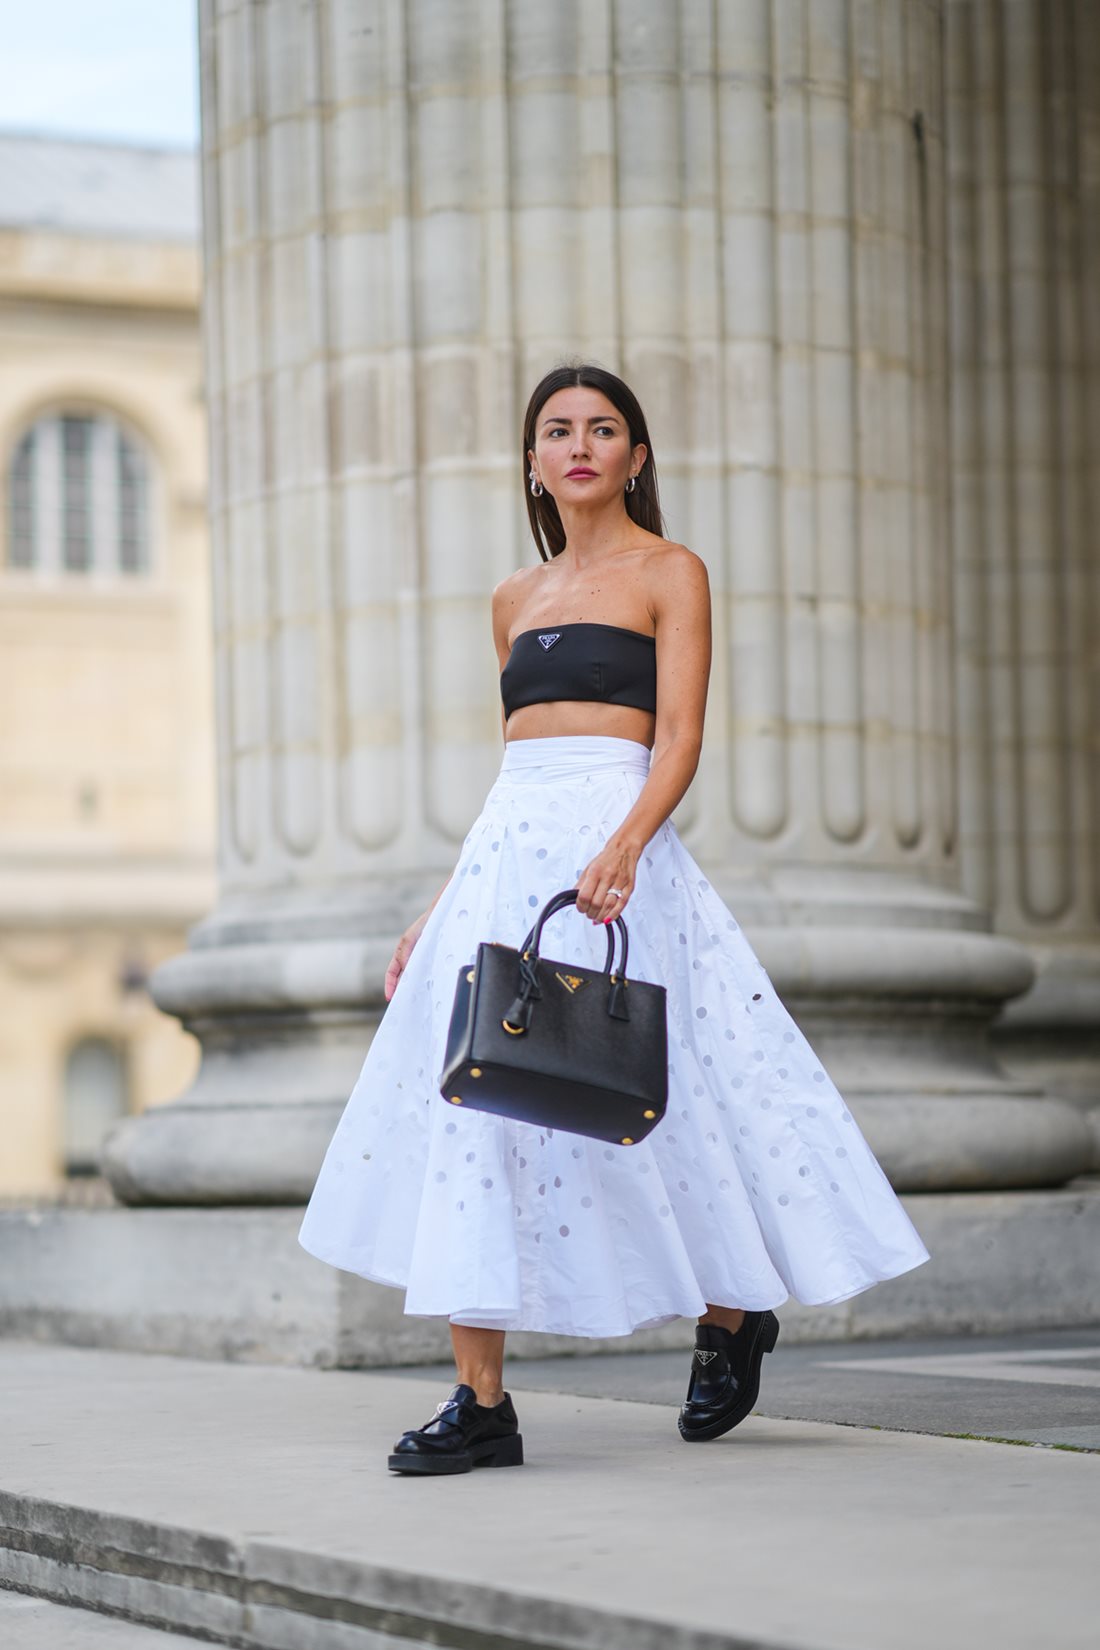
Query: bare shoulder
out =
(677, 582)
(509, 596)
(516, 580)
(670, 561)
(513, 588)
(511, 593)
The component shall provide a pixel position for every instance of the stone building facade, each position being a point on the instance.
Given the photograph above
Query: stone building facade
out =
(106, 744)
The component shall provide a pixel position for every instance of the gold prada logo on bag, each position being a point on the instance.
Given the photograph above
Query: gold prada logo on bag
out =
(571, 982)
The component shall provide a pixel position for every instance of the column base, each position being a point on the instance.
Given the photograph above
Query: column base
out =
(157, 1280)
(284, 1029)
(1051, 1036)
(897, 985)
(894, 983)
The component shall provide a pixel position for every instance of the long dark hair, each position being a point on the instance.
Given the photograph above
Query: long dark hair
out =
(643, 505)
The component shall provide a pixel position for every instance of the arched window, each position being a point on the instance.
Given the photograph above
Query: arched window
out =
(78, 497)
(95, 1099)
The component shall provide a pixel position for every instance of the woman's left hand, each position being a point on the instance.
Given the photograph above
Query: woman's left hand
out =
(613, 867)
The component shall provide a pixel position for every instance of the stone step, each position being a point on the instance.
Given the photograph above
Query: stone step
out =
(252, 1505)
(1001, 1261)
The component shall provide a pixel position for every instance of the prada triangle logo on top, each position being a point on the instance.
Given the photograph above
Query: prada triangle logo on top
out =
(549, 638)
(702, 1357)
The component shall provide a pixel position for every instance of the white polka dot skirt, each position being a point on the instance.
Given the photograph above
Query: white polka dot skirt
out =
(757, 1185)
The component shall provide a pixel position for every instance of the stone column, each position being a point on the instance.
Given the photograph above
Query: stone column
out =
(829, 808)
(1025, 331)
(412, 209)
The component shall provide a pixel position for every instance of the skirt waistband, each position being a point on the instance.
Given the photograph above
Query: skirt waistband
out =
(565, 755)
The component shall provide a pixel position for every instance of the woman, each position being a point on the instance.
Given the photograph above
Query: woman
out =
(758, 1183)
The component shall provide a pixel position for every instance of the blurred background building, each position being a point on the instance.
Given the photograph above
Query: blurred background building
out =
(106, 716)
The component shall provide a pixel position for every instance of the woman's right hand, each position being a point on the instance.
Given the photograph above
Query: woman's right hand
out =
(402, 952)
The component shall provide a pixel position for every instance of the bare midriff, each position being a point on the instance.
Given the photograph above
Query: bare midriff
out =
(570, 716)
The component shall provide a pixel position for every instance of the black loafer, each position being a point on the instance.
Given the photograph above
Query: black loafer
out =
(725, 1375)
(462, 1434)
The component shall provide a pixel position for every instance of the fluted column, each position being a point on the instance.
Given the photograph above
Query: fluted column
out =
(832, 811)
(1025, 324)
(412, 209)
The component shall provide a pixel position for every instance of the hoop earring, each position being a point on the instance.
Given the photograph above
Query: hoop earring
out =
(631, 484)
(536, 486)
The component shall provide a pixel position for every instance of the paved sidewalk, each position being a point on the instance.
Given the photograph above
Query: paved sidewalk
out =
(1040, 1387)
(252, 1503)
(28, 1623)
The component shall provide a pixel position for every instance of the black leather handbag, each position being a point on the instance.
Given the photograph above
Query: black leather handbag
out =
(556, 1044)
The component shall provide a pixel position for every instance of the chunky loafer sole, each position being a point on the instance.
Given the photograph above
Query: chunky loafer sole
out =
(491, 1452)
(461, 1435)
(746, 1397)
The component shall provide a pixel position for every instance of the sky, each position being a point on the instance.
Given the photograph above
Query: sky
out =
(125, 69)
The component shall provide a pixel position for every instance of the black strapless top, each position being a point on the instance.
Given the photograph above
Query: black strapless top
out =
(581, 661)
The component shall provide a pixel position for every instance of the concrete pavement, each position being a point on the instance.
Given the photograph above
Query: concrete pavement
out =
(252, 1504)
(28, 1623)
(1042, 1386)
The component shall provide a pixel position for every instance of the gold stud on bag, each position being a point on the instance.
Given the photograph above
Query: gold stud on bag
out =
(557, 1044)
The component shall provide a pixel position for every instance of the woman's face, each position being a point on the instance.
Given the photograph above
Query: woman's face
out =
(582, 452)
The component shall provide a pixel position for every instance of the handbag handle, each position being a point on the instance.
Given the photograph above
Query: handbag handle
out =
(518, 1018)
(559, 902)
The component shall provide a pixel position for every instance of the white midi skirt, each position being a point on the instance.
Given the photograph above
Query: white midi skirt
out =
(757, 1183)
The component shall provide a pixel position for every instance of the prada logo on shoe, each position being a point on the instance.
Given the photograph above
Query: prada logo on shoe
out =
(549, 638)
(571, 982)
(702, 1357)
